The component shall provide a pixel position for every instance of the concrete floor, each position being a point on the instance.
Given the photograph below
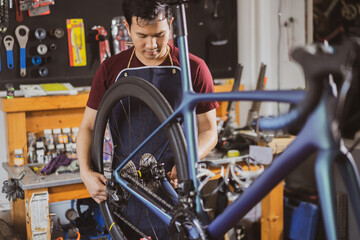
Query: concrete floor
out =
(5, 211)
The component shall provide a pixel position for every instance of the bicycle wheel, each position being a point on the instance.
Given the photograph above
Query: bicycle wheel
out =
(129, 112)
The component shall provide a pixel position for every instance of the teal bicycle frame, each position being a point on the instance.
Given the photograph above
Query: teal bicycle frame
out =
(317, 135)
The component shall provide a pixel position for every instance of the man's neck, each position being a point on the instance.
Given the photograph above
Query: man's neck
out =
(153, 62)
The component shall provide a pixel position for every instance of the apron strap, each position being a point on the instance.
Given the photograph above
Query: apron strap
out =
(167, 53)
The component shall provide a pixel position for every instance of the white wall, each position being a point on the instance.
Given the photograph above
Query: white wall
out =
(262, 40)
(3, 158)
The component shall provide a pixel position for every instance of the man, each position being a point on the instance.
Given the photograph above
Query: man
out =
(148, 23)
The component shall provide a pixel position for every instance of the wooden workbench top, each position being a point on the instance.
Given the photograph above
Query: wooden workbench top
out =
(21, 104)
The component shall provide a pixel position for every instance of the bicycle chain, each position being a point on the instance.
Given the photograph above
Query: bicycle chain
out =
(134, 181)
(131, 225)
(4, 15)
(125, 175)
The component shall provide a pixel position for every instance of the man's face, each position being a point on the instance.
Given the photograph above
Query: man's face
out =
(149, 38)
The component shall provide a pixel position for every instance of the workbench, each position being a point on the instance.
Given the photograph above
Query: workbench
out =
(272, 208)
(24, 115)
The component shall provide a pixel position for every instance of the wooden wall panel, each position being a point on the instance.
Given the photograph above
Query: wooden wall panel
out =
(40, 120)
(16, 134)
(272, 220)
(68, 192)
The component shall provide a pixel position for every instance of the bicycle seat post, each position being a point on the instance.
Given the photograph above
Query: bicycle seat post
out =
(190, 131)
(181, 34)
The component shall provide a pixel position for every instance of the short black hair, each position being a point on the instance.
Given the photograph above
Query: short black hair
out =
(148, 10)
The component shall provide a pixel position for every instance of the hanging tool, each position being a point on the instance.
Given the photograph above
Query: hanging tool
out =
(36, 7)
(36, 60)
(19, 14)
(4, 15)
(43, 71)
(119, 34)
(348, 11)
(77, 45)
(76, 42)
(22, 35)
(9, 45)
(101, 37)
(216, 9)
(58, 33)
(206, 4)
(40, 33)
(42, 49)
(52, 47)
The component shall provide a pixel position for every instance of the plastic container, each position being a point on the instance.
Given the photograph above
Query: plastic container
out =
(300, 219)
(57, 136)
(49, 139)
(66, 135)
(74, 134)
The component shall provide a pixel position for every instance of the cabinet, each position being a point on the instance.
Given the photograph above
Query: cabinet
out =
(34, 115)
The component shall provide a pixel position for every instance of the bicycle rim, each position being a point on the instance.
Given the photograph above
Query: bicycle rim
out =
(131, 109)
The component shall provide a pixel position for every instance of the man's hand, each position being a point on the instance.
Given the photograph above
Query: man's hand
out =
(173, 177)
(95, 184)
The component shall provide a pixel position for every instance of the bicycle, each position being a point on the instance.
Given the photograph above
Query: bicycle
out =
(182, 210)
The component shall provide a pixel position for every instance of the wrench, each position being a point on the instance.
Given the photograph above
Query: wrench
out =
(9, 44)
(22, 38)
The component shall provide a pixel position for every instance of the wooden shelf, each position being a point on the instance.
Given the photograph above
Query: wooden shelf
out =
(35, 114)
(22, 104)
(24, 115)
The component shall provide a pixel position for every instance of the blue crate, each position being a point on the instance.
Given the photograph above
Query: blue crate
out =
(300, 219)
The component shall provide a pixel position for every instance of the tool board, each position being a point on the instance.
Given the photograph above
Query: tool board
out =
(204, 29)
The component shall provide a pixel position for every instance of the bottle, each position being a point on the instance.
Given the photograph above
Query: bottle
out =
(57, 136)
(60, 149)
(31, 139)
(48, 137)
(51, 152)
(68, 150)
(74, 154)
(40, 150)
(74, 134)
(19, 157)
(66, 135)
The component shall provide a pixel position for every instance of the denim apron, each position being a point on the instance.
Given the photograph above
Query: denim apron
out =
(167, 79)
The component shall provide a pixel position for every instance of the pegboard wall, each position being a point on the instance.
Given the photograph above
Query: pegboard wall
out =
(59, 70)
(212, 37)
(212, 26)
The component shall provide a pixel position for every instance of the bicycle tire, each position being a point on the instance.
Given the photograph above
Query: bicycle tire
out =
(134, 87)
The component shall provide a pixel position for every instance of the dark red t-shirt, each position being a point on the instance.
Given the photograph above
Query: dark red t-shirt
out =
(109, 70)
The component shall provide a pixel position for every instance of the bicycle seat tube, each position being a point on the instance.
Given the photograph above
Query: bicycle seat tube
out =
(187, 90)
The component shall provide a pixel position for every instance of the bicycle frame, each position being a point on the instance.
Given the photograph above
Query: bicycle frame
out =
(323, 140)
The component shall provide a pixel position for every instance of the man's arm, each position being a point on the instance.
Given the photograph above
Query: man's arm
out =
(207, 139)
(94, 182)
(207, 132)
